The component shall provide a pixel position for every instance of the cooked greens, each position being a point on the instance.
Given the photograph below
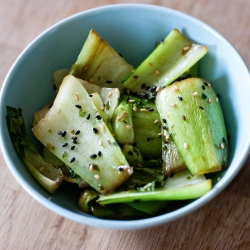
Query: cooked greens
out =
(134, 140)
(47, 175)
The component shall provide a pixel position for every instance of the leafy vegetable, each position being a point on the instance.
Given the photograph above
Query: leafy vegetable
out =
(99, 63)
(48, 176)
(190, 188)
(75, 132)
(122, 123)
(196, 124)
(172, 57)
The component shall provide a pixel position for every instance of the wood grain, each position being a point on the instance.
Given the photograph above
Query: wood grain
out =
(25, 224)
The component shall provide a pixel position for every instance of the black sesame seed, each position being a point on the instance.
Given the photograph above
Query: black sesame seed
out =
(90, 95)
(88, 116)
(65, 144)
(99, 153)
(95, 130)
(72, 160)
(143, 86)
(74, 138)
(139, 103)
(203, 96)
(64, 133)
(130, 152)
(201, 107)
(78, 106)
(77, 132)
(224, 140)
(148, 139)
(60, 132)
(153, 89)
(183, 117)
(150, 109)
(205, 83)
(98, 117)
(164, 120)
(143, 95)
(120, 168)
(136, 77)
(152, 95)
(203, 87)
(180, 98)
(109, 81)
(73, 147)
(167, 141)
(74, 141)
(165, 127)
(93, 156)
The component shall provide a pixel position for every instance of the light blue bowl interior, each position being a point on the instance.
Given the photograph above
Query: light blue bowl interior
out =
(132, 30)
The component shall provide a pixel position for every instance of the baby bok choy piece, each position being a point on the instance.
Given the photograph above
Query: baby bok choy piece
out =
(100, 64)
(75, 132)
(132, 210)
(48, 176)
(122, 123)
(87, 203)
(182, 186)
(195, 122)
(147, 128)
(170, 59)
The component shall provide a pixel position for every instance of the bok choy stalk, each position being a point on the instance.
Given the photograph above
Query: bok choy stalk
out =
(174, 56)
(75, 132)
(48, 176)
(182, 186)
(133, 210)
(195, 121)
(100, 64)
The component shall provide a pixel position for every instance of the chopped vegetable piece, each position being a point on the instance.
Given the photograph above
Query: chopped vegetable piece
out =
(147, 131)
(100, 64)
(48, 176)
(171, 58)
(70, 114)
(190, 188)
(122, 123)
(84, 199)
(200, 135)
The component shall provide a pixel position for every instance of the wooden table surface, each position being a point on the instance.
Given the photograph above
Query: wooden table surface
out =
(25, 224)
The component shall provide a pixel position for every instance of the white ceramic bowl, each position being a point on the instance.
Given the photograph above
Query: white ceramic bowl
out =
(132, 29)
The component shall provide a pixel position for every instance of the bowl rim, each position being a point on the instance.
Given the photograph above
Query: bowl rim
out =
(119, 224)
